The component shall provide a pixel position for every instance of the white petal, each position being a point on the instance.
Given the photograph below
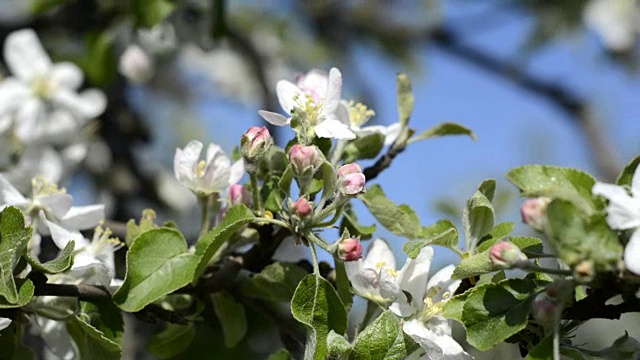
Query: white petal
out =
(635, 182)
(412, 278)
(12, 94)
(185, 161)
(334, 92)
(67, 75)
(342, 113)
(28, 119)
(85, 105)
(632, 253)
(83, 217)
(393, 131)
(4, 323)
(288, 95)
(623, 211)
(62, 236)
(442, 282)
(25, 55)
(10, 195)
(334, 129)
(57, 338)
(379, 256)
(56, 204)
(437, 344)
(274, 118)
(236, 173)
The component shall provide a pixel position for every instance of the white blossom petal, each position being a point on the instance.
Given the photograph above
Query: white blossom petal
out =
(334, 129)
(393, 131)
(67, 75)
(334, 92)
(9, 195)
(62, 236)
(25, 55)
(83, 217)
(412, 278)
(85, 105)
(288, 95)
(635, 183)
(274, 118)
(236, 172)
(185, 161)
(623, 211)
(12, 94)
(632, 253)
(442, 282)
(56, 205)
(439, 345)
(379, 255)
(4, 323)
(29, 116)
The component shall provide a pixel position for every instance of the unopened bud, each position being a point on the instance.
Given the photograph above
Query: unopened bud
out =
(351, 180)
(239, 194)
(136, 65)
(305, 160)
(302, 208)
(506, 255)
(255, 143)
(350, 249)
(534, 212)
(543, 309)
(585, 270)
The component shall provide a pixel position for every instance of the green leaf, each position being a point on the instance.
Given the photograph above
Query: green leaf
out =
(147, 222)
(316, 305)
(477, 219)
(92, 344)
(232, 318)
(100, 63)
(365, 147)
(577, 238)
(443, 233)
(557, 182)
(405, 99)
(11, 343)
(151, 12)
(105, 317)
(491, 313)
(328, 180)
(285, 181)
(400, 220)
(158, 263)
(350, 223)
(498, 233)
(488, 188)
(444, 129)
(171, 341)
(383, 339)
(281, 354)
(343, 285)
(544, 351)
(25, 289)
(276, 282)
(60, 264)
(337, 345)
(14, 238)
(530, 246)
(235, 218)
(626, 175)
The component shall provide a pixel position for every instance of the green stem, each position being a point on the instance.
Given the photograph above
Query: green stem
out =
(204, 222)
(335, 218)
(271, 221)
(314, 256)
(527, 266)
(255, 189)
(337, 152)
(323, 213)
(318, 241)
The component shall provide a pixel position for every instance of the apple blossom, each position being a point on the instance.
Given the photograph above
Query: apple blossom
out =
(4, 323)
(350, 249)
(238, 194)
(351, 180)
(623, 213)
(302, 208)
(506, 255)
(318, 96)
(41, 97)
(356, 114)
(205, 177)
(255, 143)
(304, 160)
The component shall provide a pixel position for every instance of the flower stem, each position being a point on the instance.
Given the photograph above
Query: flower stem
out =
(527, 266)
(335, 218)
(255, 189)
(318, 241)
(271, 221)
(204, 223)
(337, 152)
(314, 256)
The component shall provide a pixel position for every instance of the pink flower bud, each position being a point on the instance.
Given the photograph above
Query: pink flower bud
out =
(239, 194)
(543, 309)
(351, 180)
(255, 143)
(136, 65)
(350, 249)
(534, 212)
(506, 255)
(305, 160)
(302, 208)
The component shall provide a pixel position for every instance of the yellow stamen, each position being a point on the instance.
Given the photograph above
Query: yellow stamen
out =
(359, 114)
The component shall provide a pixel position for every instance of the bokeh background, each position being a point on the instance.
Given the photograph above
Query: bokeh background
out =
(540, 81)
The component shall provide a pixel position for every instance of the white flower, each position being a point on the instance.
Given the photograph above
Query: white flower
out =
(136, 65)
(318, 95)
(205, 177)
(41, 97)
(4, 323)
(623, 213)
(617, 22)
(356, 114)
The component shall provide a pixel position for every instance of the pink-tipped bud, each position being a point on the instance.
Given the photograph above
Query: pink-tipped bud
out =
(305, 160)
(302, 208)
(543, 309)
(506, 255)
(255, 143)
(351, 180)
(239, 194)
(350, 249)
(534, 212)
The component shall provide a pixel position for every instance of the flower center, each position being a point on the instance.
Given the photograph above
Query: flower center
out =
(432, 308)
(42, 187)
(310, 107)
(202, 165)
(42, 87)
(359, 114)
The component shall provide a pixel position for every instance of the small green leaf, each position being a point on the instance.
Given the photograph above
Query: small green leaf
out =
(350, 223)
(281, 354)
(474, 265)
(577, 238)
(556, 182)
(235, 218)
(337, 345)
(151, 12)
(105, 317)
(100, 63)
(443, 233)
(405, 99)
(147, 222)
(488, 188)
(14, 238)
(530, 246)
(285, 181)
(92, 343)
(400, 220)
(25, 289)
(343, 285)
(171, 341)
(158, 263)
(276, 282)
(316, 305)
(498, 233)
(232, 318)
(477, 219)
(626, 175)
(383, 339)
(365, 147)
(444, 129)
(328, 180)
(60, 264)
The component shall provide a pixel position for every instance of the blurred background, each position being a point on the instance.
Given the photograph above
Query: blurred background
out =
(540, 81)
